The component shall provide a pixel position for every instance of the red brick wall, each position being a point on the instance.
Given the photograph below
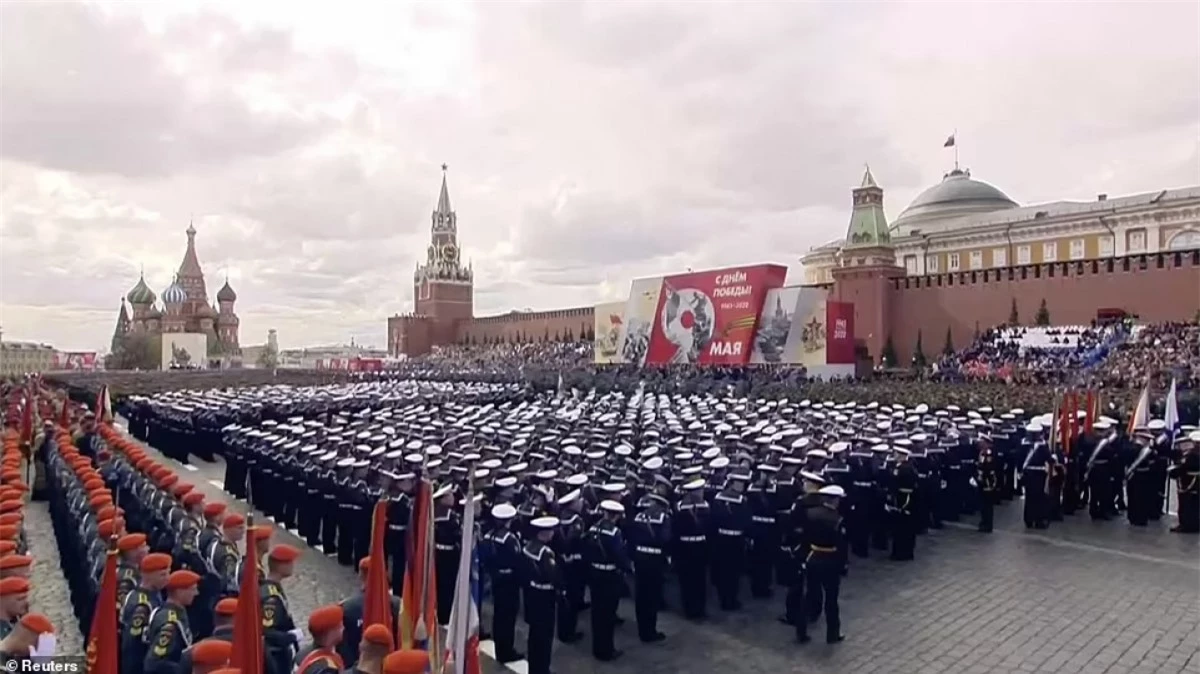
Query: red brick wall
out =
(1158, 287)
(533, 325)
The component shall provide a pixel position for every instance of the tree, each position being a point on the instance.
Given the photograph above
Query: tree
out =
(1013, 317)
(888, 357)
(1042, 317)
(136, 351)
(569, 336)
(918, 359)
(557, 336)
(975, 337)
(590, 333)
(948, 348)
(546, 336)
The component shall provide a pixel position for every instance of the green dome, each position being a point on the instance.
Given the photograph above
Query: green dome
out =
(141, 293)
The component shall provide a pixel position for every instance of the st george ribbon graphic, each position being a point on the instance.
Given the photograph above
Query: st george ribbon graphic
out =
(710, 317)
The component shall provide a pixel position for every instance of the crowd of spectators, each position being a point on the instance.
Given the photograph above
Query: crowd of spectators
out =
(1160, 353)
(1033, 355)
(506, 355)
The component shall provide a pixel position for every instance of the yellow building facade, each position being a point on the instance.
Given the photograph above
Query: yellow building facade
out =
(963, 224)
(21, 358)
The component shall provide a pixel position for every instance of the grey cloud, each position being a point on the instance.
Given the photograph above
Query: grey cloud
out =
(89, 92)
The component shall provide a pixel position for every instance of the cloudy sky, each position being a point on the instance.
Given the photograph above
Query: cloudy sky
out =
(587, 143)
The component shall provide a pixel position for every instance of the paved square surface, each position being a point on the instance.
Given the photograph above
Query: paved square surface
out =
(1079, 597)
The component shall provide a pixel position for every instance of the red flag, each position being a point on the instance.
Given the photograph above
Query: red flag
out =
(102, 642)
(64, 418)
(377, 597)
(1064, 424)
(247, 624)
(1090, 419)
(1074, 407)
(419, 610)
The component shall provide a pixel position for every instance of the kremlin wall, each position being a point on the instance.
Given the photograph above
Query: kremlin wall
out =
(944, 265)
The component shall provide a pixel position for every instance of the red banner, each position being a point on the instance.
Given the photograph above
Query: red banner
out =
(710, 317)
(75, 360)
(839, 336)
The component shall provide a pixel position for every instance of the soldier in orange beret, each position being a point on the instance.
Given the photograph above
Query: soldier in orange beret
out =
(325, 625)
(206, 656)
(20, 566)
(169, 631)
(411, 661)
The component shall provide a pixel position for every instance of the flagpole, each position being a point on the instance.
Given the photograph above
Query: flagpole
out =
(955, 148)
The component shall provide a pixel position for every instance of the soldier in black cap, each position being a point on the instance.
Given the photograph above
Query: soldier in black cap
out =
(826, 561)
(569, 545)
(987, 481)
(904, 526)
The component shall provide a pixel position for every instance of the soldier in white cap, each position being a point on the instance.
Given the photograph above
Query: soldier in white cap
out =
(504, 566)
(826, 561)
(608, 559)
(541, 593)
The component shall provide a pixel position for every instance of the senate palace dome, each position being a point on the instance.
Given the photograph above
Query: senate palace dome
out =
(957, 195)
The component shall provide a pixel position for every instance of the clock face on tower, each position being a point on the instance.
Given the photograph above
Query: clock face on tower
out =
(449, 253)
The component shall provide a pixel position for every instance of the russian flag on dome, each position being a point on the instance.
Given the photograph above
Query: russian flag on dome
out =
(462, 637)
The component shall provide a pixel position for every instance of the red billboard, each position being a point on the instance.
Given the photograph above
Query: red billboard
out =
(75, 360)
(839, 333)
(710, 317)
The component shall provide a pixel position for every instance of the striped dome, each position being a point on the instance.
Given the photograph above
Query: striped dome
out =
(174, 294)
(141, 293)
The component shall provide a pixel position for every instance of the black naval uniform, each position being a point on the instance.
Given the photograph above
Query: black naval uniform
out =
(608, 559)
(904, 529)
(505, 560)
(691, 555)
(825, 533)
(541, 588)
(650, 535)
(730, 517)
(987, 481)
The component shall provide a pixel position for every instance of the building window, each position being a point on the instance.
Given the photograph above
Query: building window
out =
(1137, 241)
(1024, 254)
(931, 264)
(977, 259)
(1106, 246)
(952, 262)
(1050, 251)
(1077, 249)
(910, 264)
(999, 257)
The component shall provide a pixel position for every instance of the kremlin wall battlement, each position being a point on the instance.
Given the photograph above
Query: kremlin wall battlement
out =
(887, 296)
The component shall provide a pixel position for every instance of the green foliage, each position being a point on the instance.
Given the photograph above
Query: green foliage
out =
(1013, 317)
(888, 357)
(136, 351)
(918, 360)
(948, 348)
(1042, 317)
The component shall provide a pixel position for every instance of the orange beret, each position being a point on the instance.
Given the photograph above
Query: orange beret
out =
(7, 547)
(106, 512)
(7, 492)
(214, 509)
(8, 532)
(262, 532)
(109, 528)
(179, 580)
(37, 623)
(181, 489)
(227, 670)
(364, 564)
(15, 561)
(406, 662)
(20, 486)
(379, 635)
(131, 542)
(284, 553)
(192, 498)
(100, 500)
(234, 520)
(11, 519)
(92, 483)
(212, 652)
(10, 505)
(168, 481)
(142, 463)
(156, 561)
(227, 606)
(14, 585)
(325, 618)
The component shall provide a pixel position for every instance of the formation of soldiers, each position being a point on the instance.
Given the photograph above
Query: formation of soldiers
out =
(581, 492)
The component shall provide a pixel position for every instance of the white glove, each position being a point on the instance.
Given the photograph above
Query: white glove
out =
(46, 646)
(298, 635)
(973, 483)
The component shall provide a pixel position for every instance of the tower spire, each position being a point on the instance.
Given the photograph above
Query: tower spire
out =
(443, 206)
